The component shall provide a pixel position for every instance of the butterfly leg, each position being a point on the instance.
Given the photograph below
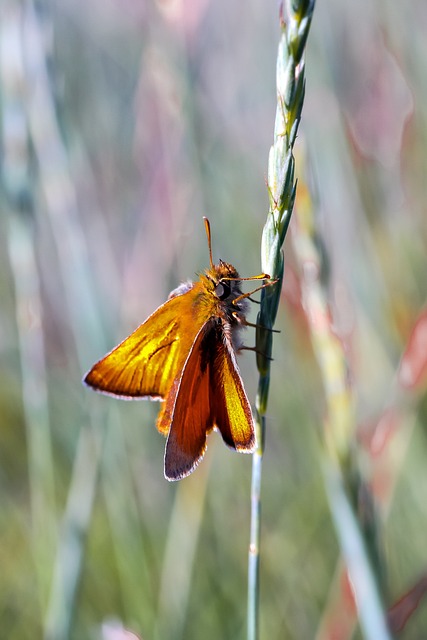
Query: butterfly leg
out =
(242, 320)
(257, 351)
(247, 295)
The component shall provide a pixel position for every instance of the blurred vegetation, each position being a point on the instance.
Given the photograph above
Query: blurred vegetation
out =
(122, 124)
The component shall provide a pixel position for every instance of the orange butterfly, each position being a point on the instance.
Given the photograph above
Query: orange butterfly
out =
(184, 354)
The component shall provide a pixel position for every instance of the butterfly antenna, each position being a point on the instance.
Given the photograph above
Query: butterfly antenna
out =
(208, 234)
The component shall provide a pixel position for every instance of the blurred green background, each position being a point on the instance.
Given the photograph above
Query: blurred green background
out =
(123, 123)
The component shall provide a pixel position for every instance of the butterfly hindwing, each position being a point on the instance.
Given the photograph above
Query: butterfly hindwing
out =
(210, 394)
(191, 416)
(231, 409)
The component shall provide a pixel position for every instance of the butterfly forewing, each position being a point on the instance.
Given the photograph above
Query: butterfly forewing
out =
(147, 363)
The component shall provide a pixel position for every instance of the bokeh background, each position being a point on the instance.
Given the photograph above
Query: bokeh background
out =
(123, 123)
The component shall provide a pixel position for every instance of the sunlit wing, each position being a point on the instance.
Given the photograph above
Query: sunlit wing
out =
(209, 394)
(230, 406)
(164, 417)
(147, 363)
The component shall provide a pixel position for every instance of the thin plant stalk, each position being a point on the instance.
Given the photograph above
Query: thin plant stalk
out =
(290, 79)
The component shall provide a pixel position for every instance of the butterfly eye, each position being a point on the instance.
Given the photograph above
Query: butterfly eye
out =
(222, 290)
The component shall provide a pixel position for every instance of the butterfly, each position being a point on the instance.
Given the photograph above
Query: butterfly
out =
(184, 354)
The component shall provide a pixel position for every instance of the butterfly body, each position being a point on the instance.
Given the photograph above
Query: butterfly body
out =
(184, 355)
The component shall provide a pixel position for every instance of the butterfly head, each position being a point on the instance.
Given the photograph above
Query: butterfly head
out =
(224, 284)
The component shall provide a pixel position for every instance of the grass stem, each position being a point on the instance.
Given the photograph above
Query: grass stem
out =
(282, 188)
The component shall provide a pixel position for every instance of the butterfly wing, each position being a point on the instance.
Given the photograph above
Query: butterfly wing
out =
(209, 394)
(190, 414)
(147, 363)
(230, 405)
